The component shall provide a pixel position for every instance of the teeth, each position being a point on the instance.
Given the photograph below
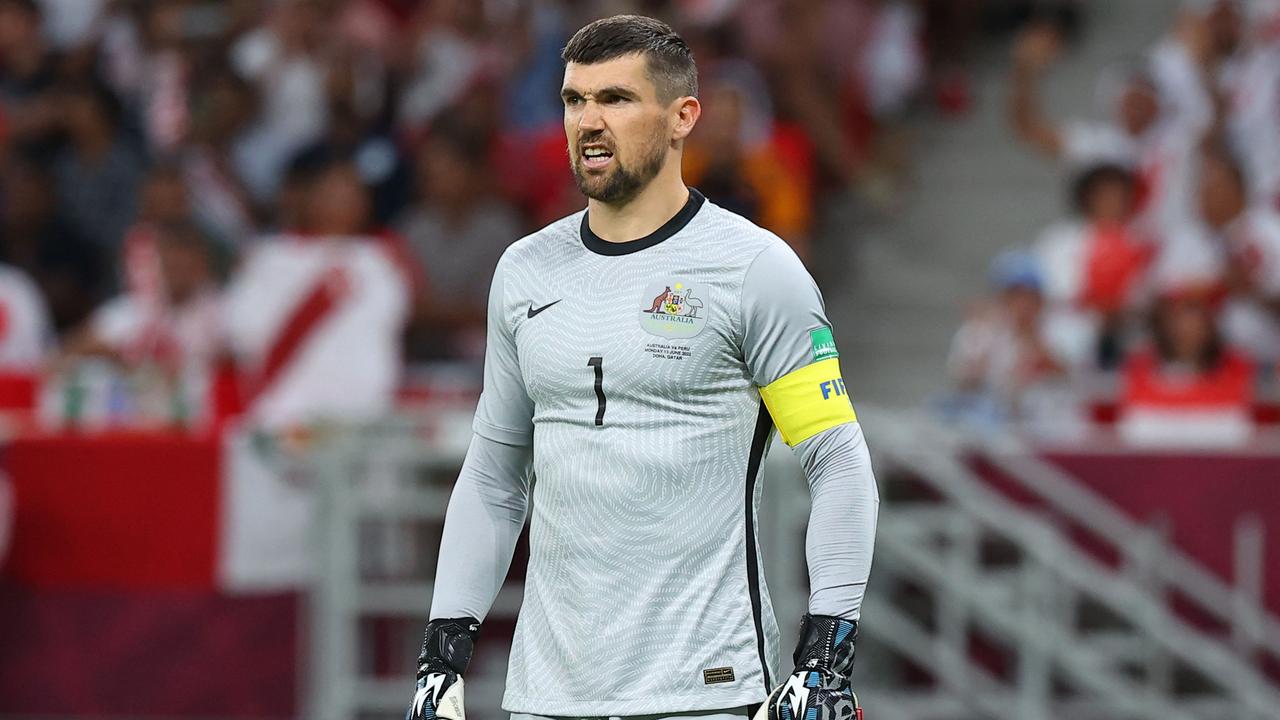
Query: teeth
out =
(595, 152)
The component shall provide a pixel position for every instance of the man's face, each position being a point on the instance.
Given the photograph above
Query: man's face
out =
(338, 203)
(1188, 324)
(184, 265)
(1226, 26)
(1023, 304)
(1221, 196)
(1110, 201)
(619, 130)
(1139, 107)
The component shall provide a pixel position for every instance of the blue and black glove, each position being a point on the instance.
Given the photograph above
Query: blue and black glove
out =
(818, 689)
(446, 652)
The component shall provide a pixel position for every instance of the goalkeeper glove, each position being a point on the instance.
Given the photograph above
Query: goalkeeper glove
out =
(818, 689)
(446, 652)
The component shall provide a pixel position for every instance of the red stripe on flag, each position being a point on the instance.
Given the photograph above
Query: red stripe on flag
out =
(115, 511)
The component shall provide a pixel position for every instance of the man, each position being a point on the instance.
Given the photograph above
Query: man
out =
(173, 323)
(1143, 134)
(299, 302)
(646, 426)
(1244, 240)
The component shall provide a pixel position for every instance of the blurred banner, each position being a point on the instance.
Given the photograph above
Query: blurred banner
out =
(112, 601)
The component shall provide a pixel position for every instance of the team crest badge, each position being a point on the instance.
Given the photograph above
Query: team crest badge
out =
(672, 310)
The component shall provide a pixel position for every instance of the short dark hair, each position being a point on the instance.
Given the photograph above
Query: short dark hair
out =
(669, 59)
(1096, 176)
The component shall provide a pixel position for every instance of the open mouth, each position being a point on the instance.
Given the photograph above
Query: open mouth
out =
(596, 157)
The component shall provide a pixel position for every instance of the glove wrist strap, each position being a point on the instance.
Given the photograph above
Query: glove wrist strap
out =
(826, 643)
(449, 643)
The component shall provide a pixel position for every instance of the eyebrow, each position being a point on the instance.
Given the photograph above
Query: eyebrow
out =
(619, 90)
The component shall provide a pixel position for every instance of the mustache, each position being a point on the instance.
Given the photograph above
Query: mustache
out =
(595, 137)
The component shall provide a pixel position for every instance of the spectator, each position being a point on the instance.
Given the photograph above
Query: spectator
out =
(803, 49)
(454, 49)
(290, 206)
(731, 160)
(28, 71)
(1192, 65)
(337, 203)
(1003, 357)
(532, 96)
(377, 158)
(1094, 265)
(164, 199)
(224, 106)
(26, 329)
(1077, 142)
(1248, 237)
(283, 58)
(457, 230)
(1157, 147)
(33, 238)
(892, 67)
(173, 334)
(1254, 105)
(98, 172)
(1188, 386)
(159, 86)
(315, 319)
(173, 325)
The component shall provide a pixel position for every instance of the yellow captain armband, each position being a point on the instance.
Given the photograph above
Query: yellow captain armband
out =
(807, 401)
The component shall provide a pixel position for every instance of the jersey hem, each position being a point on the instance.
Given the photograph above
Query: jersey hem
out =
(624, 708)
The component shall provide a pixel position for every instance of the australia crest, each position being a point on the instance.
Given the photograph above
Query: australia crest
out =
(672, 310)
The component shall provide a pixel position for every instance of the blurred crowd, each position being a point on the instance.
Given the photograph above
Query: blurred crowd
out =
(286, 207)
(214, 205)
(1164, 276)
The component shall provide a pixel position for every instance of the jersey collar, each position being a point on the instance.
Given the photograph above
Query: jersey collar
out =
(600, 246)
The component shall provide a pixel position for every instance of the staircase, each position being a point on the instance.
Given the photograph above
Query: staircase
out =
(974, 191)
(1071, 636)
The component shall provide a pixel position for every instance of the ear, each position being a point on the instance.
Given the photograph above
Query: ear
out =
(687, 112)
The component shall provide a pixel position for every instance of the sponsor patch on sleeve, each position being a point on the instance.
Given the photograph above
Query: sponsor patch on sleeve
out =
(807, 401)
(824, 344)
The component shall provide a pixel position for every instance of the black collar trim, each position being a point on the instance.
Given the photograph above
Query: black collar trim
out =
(600, 246)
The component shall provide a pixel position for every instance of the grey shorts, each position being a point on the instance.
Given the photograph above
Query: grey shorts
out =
(730, 714)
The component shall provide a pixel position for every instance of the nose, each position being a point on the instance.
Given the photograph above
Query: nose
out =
(591, 117)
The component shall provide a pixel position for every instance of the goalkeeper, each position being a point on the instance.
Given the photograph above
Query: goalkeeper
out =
(641, 355)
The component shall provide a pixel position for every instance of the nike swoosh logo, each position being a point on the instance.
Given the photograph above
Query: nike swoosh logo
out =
(533, 312)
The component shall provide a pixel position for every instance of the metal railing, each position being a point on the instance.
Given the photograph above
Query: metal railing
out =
(1033, 605)
(1037, 605)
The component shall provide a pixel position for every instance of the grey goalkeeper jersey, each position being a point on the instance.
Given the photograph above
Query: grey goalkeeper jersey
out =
(635, 370)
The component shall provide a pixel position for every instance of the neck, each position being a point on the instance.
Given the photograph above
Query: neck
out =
(646, 212)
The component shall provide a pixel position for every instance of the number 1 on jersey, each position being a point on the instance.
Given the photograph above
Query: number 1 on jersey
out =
(597, 362)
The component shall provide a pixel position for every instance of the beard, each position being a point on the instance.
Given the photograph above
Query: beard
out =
(622, 184)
